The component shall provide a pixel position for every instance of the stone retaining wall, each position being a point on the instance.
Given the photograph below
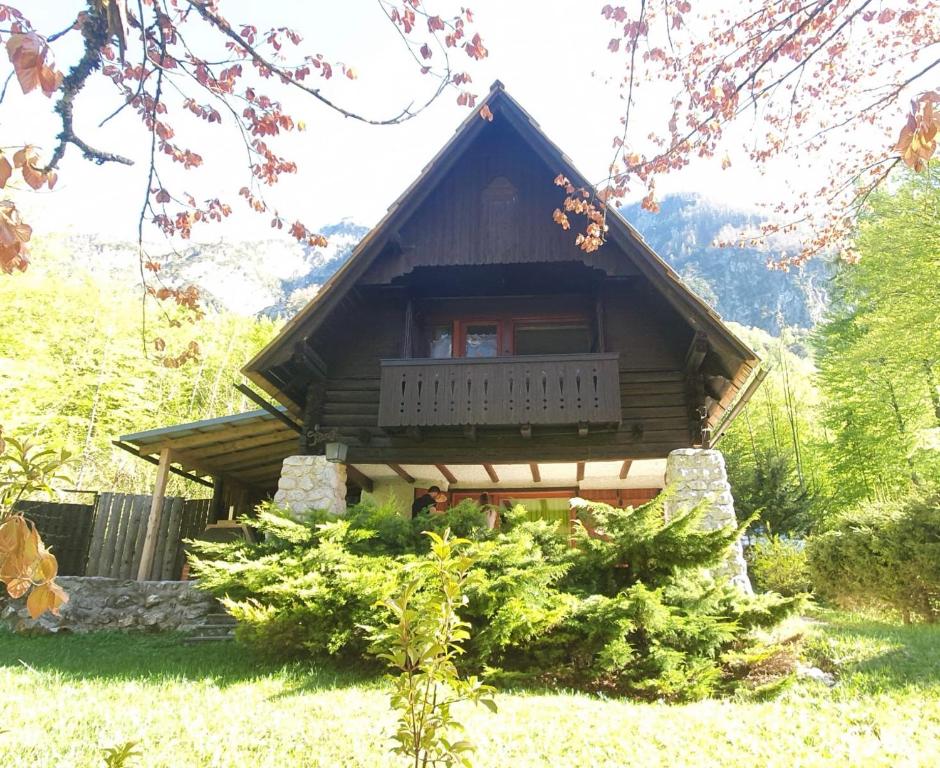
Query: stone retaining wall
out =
(99, 604)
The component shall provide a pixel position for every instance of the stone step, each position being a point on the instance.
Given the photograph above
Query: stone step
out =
(194, 639)
(220, 619)
(215, 630)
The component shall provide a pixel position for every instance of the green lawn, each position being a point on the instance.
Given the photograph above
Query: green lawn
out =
(64, 698)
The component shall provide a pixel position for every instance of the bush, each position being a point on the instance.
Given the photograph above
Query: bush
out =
(778, 564)
(884, 556)
(627, 610)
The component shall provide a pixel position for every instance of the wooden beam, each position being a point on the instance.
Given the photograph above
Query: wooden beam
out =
(443, 469)
(599, 321)
(134, 452)
(470, 431)
(536, 475)
(273, 410)
(407, 345)
(491, 472)
(625, 468)
(696, 354)
(580, 471)
(401, 473)
(153, 520)
(583, 429)
(359, 478)
(526, 431)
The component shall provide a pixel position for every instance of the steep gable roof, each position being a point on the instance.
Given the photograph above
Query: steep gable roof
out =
(702, 318)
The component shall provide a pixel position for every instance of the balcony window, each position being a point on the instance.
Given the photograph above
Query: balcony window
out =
(481, 340)
(442, 341)
(547, 338)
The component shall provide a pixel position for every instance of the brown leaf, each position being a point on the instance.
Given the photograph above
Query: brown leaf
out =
(6, 170)
(486, 113)
(32, 62)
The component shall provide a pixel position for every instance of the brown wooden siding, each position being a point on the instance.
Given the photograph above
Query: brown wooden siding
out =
(494, 207)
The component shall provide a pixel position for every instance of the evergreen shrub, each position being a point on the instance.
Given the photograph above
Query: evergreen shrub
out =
(778, 564)
(628, 609)
(883, 556)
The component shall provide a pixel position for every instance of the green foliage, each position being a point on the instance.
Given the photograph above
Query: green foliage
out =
(777, 564)
(884, 555)
(879, 371)
(627, 610)
(26, 469)
(76, 369)
(421, 641)
(775, 451)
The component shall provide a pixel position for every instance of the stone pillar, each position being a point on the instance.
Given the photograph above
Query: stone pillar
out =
(312, 482)
(694, 474)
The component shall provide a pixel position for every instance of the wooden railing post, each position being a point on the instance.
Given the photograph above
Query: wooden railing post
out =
(153, 521)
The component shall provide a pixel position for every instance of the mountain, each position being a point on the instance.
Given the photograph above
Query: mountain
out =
(735, 281)
(277, 277)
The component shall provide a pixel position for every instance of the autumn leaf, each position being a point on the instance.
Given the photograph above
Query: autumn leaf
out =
(46, 597)
(486, 113)
(6, 170)
(14, 235)
(32, 62)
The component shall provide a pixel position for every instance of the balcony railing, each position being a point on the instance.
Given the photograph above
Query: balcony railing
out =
(506, 391)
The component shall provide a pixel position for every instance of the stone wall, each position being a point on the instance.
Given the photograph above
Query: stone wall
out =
(99, 604)
(693, 474)
(312, 482)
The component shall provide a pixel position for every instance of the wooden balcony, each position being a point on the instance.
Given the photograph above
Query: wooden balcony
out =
(500, 391)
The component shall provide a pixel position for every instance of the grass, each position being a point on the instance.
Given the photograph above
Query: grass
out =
(65, 698)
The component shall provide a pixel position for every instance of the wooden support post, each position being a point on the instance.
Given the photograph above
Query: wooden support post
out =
(153, 521)
(407, 344)
(601, 345)
(580, 471)
(536, 475)
(217, 509)
(491, 472)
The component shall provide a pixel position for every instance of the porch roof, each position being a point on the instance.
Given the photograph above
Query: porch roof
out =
(245, 448)
(248, 449)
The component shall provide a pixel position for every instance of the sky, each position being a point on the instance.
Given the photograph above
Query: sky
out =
(551, 55)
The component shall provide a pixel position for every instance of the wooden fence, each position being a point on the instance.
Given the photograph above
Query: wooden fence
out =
(65, 529)
(117, 541)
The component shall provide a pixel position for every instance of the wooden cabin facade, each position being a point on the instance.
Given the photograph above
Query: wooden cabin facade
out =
(468, 332)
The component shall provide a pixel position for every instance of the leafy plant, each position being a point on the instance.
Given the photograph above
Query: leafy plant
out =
(422, 643)
(26, 566)
(121, 755)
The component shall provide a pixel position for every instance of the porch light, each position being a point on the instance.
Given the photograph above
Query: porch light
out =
(336, 452)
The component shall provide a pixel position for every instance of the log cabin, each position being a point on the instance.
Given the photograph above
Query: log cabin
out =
(469, 343)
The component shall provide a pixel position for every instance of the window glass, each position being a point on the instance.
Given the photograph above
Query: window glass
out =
(552, 338)
(442, 341)
(481, 340)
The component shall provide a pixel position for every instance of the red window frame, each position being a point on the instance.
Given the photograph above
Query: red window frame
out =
(505, 328)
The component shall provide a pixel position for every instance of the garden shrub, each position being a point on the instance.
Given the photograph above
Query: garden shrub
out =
(884, 556)
(627, 609)
(777, 564)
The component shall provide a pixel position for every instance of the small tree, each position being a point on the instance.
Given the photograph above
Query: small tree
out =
(26, 566)
(422, 644)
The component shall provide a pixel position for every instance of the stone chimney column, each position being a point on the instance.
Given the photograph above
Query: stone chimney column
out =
(695, 474)
(312, 482)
